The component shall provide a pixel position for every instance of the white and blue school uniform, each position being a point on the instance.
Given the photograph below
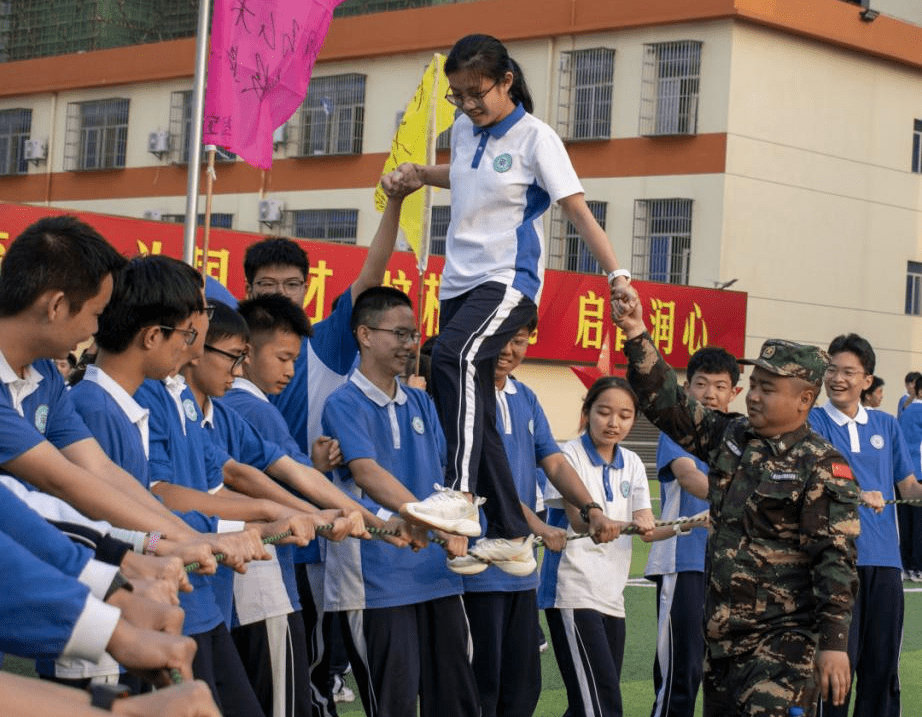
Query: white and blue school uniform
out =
(249, 401)
(396, 601)
(876, 451)
(502, 608)
(676, 566)
(582, 588)
(909, 517)
(503, 179)
(182, 453)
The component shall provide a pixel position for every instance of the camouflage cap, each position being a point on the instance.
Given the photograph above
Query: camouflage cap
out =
(785, 358)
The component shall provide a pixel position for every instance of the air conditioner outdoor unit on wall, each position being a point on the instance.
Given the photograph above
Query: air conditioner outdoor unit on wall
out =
(35, 150)
(158, 142)
(270, 211)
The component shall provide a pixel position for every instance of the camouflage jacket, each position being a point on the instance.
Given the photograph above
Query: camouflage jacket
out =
(784, 516)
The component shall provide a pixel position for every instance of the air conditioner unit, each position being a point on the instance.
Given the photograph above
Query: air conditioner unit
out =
(278, 136)
(155, 215)
(270, 211)
(158, 142)
(35, 150)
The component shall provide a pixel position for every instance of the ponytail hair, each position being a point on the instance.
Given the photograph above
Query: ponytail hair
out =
(486, 56)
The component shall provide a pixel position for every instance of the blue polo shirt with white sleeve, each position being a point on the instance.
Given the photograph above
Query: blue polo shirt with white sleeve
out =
(403, 435)
(528, 441)
(910, 422)
(120, 426)
(248, 400)
(683, 553)
(320, 368)
(503, 178)
(182, 453)
(873, 444)
(36, 408)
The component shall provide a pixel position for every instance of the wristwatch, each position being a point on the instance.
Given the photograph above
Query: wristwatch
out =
(584, 511)
(118, 582)
(103, 694)
(612, 275)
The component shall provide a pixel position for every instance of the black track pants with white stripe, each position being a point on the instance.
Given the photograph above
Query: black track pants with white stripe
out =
(474, 328)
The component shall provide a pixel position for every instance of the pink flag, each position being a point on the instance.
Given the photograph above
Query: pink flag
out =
(262, 56)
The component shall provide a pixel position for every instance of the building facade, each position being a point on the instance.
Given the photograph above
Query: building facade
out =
(777, 146)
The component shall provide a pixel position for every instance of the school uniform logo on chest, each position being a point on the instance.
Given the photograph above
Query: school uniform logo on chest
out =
(418, 425)
(503, 163)
(188, 406)
(625, 488)
(877, 441)
(41, 418)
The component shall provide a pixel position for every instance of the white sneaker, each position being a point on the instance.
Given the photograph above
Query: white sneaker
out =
(447, 510)
(510, 556)
(341, 692)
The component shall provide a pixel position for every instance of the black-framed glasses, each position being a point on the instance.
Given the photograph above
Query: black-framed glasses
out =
(457, 98)
(238, 359)
(270, 286)
(190, 334)
(404, 336)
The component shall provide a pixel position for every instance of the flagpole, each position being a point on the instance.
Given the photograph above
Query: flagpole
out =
(209, 187)
(426, 224)
(195, 140)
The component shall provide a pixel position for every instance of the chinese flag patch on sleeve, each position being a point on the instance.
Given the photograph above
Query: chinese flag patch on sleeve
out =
(842, 470)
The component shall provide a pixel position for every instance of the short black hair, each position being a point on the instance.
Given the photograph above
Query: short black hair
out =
(912, 376)
(532, 323)
(876, 382)
(225, 323)
(58, 253)
(274, 251)
(855, 344)
(604, 383)
(713, 360)
(274, 312)
(371, 303)
(153, 290)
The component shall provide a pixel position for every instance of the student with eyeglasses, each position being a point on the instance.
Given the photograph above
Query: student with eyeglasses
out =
(506, 168)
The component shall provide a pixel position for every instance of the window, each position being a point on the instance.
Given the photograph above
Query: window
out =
(662, 240)
(586, 78)
(335, 225)
(669, 88)
(96, 134)
(181, 131)
(438, 229)
(218, 221)
(15, 126)
(566, 250)
(914, 288)
(331, 119)
(917, 146)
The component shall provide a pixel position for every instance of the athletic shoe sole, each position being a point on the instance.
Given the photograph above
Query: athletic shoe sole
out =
(458, 526)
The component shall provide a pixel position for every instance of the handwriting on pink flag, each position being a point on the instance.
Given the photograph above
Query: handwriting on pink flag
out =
(261, 59)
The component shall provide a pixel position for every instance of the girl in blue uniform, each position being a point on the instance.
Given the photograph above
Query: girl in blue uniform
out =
(506, 169)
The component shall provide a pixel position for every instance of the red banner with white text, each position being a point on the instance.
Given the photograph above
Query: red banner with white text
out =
(573, 315)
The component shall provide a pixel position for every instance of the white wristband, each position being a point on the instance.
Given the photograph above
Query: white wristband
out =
(612, 275)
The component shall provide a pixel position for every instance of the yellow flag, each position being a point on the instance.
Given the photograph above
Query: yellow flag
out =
(411, 144)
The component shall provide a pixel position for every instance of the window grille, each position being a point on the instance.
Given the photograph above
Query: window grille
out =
(914, 288)
(566, 250)
(333, 225)
(96, 134)
(181, 131)
(586, 83)
(917, 146)
(218, 220)
(438, 229)
(669, 88)
(662, 240)
(331, 119)
(15, 128)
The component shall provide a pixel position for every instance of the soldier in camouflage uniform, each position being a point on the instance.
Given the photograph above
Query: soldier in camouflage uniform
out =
(781, 576)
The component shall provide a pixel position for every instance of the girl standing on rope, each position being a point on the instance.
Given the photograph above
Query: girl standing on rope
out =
(506, 169)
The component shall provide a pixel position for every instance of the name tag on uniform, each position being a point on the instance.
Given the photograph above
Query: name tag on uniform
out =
(784, 476)
(734, 449)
